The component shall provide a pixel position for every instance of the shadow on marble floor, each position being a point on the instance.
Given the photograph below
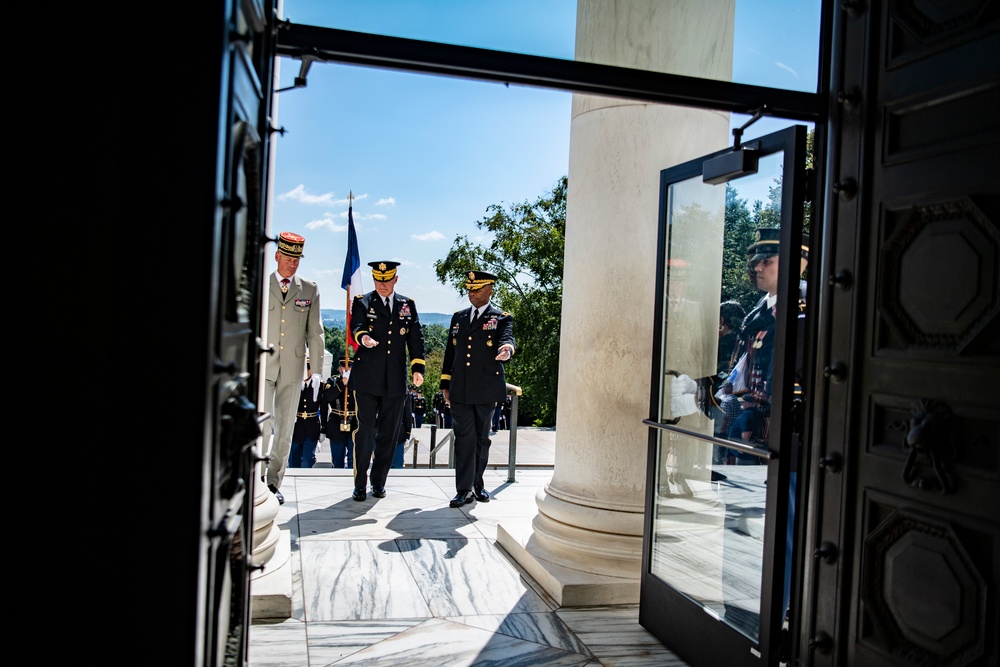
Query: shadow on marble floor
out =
(407, 580)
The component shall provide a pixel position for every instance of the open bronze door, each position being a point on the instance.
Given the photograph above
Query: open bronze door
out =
(714, 583)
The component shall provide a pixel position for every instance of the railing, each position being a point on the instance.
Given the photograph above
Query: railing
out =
(449, 439)
(514, 392)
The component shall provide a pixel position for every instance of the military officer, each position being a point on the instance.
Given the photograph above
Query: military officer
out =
(294, 327)
(480, 342)
(386, 326)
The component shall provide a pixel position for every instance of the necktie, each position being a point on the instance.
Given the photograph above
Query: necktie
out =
(475, 315)
(387, 305)
(284, 285)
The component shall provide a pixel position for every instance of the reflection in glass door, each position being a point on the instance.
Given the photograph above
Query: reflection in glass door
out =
(717, 487)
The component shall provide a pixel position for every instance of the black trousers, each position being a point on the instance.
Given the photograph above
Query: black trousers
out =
(379, 421)
(471, 422)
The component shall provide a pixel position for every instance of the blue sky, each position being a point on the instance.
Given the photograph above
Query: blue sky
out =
(425, 155)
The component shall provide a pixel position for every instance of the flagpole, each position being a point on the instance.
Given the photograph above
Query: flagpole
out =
(347, 319)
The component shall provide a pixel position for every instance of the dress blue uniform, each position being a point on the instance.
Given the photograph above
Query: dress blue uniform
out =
(310, 422)
(379, 376)
(476, 382)
(342, 423)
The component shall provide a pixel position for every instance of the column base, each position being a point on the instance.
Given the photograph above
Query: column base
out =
(568, 586)
(271, 588)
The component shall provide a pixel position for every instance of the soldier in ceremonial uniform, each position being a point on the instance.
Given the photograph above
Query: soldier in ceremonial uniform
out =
(310, 421)
(293, 328)
(343, 420)
(752, 380)
(419, 408)
(385, 325)
(480, 341)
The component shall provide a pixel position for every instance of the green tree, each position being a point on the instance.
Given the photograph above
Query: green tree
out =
(435, 338)
(333, 339)
(526, 248)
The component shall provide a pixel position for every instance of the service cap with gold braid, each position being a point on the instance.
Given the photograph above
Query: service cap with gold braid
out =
(383, 271)
(767, 244)
(290, 244)
(479, 279)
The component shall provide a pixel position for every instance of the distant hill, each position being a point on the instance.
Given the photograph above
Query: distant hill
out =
(338, 318)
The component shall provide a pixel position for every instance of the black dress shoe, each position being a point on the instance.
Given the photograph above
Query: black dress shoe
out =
(277, 494)
(359, 494)
(481, 495)
(378, 491)
(463, 498)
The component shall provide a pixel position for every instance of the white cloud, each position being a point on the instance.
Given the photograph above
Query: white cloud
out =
(330, 222)
(429, 236)
(299, 194)
(386, 201)
(781, 65)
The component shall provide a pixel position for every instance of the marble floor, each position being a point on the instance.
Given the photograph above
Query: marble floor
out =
(407, 580)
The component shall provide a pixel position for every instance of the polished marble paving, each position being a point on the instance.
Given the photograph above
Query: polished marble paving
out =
(407, 580)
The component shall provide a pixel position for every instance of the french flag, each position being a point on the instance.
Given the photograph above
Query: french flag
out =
(352, 272)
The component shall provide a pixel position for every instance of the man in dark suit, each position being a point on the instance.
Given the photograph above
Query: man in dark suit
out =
(480, 341)
(385, 325)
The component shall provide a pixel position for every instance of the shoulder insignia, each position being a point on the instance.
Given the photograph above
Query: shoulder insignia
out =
(358, 296)
(504, 314)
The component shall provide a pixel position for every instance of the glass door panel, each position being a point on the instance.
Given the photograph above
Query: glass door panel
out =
(714, 548)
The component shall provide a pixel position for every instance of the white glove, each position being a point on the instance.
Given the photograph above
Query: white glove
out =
(683, 385)
(682, 395)
(322, 437)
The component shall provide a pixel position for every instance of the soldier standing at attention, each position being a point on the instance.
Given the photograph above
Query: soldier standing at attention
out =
(480, 341)
(419, 408)
(293, 327)
(343, 420)
(385, 326)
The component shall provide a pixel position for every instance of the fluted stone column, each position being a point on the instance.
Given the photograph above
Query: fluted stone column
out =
(585, 544)
(271, 580)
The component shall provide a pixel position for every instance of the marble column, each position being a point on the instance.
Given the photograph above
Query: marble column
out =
(271, 579)
(585, 544)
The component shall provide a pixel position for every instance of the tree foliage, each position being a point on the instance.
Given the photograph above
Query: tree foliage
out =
(525, 250)
(333, 339)
(435, 338)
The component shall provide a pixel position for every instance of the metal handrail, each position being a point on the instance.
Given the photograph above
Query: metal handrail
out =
(514, 392)
(448, 439)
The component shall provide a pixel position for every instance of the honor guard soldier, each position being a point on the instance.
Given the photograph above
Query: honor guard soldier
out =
(310, 421)
(419, 408)
(343, 420)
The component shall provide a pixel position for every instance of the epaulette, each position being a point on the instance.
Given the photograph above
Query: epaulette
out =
(504, 314)
(358, 296)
